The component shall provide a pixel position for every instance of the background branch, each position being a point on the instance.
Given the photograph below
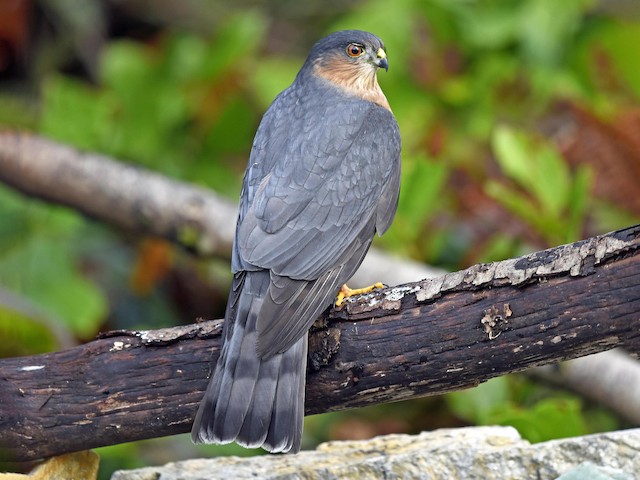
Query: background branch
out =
(116, 193)
(611, 378)
(419, 339)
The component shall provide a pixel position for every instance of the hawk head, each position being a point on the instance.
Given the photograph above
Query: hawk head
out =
(350, 48)
(349, 60)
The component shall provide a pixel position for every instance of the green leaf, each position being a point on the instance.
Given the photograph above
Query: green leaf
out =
(422, 184)
(17, 113)
(549, 197)
(513, 154)
(79, 302)
(44, 270)
(421, 196)
(236, 42)
(548, 419)
(620, 40)
(499, 247)
(126, 66)
(184, 58)
(578, 202)
(610, 217)
(22, 335)
(476, 405)
(546, 27)
(551, 179)
(517, 203)
(74, 113)
(489, 26)
(271, 76)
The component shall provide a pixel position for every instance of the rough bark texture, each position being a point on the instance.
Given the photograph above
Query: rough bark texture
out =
(419, 339)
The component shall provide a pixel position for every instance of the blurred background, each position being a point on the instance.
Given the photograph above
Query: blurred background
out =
(520, 122)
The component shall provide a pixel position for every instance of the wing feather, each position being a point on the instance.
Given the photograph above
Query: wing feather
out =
(284, 217)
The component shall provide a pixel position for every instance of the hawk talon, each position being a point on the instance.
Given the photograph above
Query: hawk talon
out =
(346, 292)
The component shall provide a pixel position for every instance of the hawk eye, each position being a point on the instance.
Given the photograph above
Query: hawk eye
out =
(355, 50)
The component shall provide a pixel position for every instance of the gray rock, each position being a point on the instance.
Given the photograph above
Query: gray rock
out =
(588, 470)
(470, 453)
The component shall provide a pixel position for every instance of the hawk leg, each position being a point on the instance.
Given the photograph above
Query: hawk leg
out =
(346, 292)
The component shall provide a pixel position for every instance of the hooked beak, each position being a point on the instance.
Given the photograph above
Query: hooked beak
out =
(381, 59)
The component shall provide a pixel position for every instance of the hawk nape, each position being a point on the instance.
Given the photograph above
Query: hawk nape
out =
(323, 177)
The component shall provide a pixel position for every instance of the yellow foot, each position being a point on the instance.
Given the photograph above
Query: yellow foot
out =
(346, 292)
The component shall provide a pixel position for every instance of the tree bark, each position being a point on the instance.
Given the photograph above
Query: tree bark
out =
(419, 339)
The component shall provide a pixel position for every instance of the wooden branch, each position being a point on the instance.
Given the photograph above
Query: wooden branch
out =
(419, 339)
(117, 193)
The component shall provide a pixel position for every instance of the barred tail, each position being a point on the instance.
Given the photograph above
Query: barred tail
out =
(253, 401)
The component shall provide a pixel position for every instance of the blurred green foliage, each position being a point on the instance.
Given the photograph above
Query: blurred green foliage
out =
(471, 84)
(550, 198)
(181, 108)
(537, 415)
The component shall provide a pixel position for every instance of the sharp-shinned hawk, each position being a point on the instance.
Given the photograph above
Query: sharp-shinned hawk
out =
(323, 177)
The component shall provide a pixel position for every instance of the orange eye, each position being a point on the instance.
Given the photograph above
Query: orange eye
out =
(355, 50)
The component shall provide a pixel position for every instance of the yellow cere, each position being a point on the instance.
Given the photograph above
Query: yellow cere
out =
(381, 53)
